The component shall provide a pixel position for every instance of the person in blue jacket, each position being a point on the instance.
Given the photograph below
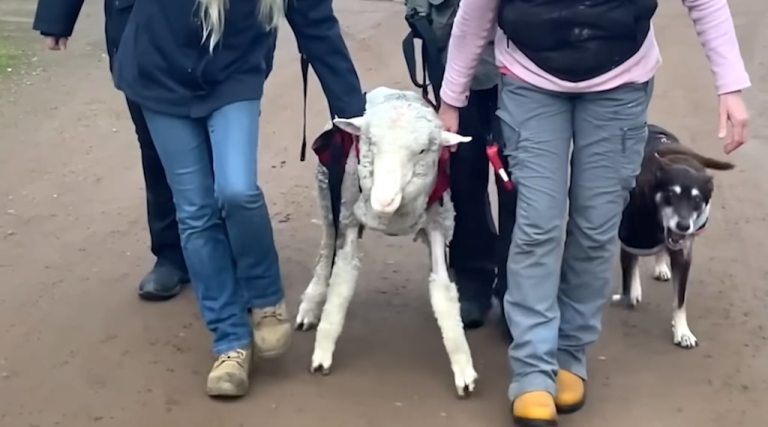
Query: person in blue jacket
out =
(55, 19)
(198, 80)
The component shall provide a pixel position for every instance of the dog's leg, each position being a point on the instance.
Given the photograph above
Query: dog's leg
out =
(661, 269)
(314, 295)
(340, 291)
(445, 304)
(681, 266)
(631, 287)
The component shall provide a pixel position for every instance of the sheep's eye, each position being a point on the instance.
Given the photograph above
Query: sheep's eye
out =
(424, 150)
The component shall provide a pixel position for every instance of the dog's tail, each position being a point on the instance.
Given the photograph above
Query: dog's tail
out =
(681, 150)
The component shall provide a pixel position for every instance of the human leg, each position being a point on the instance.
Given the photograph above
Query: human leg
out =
(234, 131)
(537, 131)
(472, 248)
(169, 273)
(609, 139)
(184, 150)
(507, 206)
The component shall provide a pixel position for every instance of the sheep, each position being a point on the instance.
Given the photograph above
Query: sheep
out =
(386, 190)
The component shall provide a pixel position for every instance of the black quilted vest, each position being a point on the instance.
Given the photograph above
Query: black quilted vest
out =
(576, 40)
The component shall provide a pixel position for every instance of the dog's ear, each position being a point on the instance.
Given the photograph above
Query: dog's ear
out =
(709, 184)
(662, 165)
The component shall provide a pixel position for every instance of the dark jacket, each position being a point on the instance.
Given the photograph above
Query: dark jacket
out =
(318, 36)
(164, 65)
(58, 17)
(577, 40)
(313, 23)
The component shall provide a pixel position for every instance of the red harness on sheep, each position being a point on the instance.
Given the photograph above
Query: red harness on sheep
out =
(333, 146)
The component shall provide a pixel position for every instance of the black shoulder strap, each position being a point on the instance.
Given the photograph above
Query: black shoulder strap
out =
(431, 55)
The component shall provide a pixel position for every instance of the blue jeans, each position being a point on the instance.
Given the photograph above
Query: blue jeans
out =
(226, 235)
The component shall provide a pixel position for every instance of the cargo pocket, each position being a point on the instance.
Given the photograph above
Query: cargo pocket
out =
(630, 154)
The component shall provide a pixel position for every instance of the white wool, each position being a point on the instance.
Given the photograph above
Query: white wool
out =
(399, 133)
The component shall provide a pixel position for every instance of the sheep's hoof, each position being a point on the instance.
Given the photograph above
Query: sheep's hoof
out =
(465, 382)
(320, 369)
(308, 317)
(305, 326)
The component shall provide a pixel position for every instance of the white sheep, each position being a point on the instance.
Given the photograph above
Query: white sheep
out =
(401, 139)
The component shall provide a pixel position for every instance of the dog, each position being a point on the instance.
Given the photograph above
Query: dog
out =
(667, 209)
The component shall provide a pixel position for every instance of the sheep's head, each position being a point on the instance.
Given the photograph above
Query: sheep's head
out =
(400, 142)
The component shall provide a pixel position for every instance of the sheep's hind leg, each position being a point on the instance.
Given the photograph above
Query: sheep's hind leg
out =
(445, 304)
(314, 295)
(340, 290)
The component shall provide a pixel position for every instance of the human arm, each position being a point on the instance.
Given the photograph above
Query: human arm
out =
(55, 20)
(473, 27)
(318, 36)
(714, 26)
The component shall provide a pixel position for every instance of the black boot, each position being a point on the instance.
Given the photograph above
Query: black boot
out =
(162, 283)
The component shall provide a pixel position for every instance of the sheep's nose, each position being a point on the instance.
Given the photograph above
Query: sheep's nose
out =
(386, 205)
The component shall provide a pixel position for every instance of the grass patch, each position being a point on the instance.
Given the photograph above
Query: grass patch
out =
(8, 57)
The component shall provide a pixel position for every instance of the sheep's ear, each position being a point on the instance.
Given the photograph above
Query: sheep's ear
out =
(451, 139)
(353, 125)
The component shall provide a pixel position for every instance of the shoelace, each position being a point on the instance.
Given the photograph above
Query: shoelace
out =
(269, 313)
(233, 356)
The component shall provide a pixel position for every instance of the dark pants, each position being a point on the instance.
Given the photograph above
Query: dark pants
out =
(161, 213)
(477, 251)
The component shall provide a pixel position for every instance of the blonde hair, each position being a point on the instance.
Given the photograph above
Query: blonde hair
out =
(212, 16)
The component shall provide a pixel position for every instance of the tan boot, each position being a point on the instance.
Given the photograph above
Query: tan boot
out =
(271, 331)
(229, 375)
(571, 393)
(534, 409)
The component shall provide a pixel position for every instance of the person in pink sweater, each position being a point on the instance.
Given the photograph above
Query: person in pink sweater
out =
(576, 75)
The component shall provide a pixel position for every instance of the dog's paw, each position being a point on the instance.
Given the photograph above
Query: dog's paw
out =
(629, 301)
(683, 337)
(465, 378)
(308, 317)
(321, 362)
(662, 273)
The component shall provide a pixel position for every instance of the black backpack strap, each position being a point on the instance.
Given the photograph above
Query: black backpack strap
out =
(304, 81)
(431, 55)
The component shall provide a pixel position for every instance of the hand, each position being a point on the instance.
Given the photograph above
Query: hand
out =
(733, 121)
(449, 115)
(56, 43)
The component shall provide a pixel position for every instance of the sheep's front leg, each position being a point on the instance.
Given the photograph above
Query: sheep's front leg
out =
(314, 296)
(340, 291)
(445, 304)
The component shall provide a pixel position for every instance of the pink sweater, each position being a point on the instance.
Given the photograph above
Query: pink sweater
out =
(476, 21)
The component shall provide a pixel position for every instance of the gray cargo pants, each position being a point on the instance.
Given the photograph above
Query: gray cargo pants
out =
(560, 260)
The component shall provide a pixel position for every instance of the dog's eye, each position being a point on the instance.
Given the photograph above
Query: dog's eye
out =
(423, 151)
(666, 197)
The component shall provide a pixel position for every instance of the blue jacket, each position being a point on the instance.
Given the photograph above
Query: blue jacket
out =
(164, 65)
(312, 21)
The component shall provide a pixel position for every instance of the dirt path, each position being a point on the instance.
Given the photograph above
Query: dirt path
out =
(77, 348)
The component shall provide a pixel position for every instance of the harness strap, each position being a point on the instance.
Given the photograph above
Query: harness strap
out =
(304, 81)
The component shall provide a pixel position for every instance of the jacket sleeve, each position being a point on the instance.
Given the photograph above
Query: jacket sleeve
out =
(56, 17)
(318, 36)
